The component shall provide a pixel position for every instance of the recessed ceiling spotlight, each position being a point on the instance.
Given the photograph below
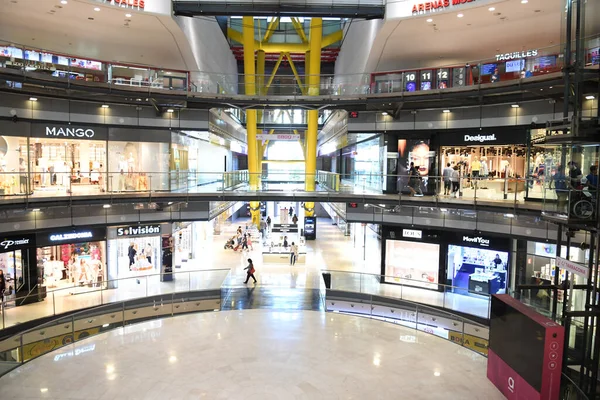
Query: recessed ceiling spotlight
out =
(492, 9)
(384, 113)
(170, 110)
(106, 206)
(63, 2)
(590, 97)
(96, 8)
(429, 20)
(446, 111)
(33, 98)
(514, 105)
(524, 1)
(128, 15)
(460, 15)
(104, 105)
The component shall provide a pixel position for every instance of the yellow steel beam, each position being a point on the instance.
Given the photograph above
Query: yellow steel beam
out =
(274, 72)
(235, 35)
(302, 89)
(250, 89)
(267, 141)
(316, 34)
(270, 29)
(306, 66)
(260, 82)
(284, 47)
(330, 39)
(299, 29)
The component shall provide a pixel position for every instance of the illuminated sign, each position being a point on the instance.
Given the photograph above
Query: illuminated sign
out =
(572, 267)
(66, 132)
(279, 137)
(411, 233)
(516, 54)
(436, 6)
(132, 4)
(61, 237)
(480, 138)
(6, 244)
(139, 230)
(479, 240)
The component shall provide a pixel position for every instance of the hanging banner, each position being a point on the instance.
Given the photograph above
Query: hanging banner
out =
(572, 267)
(277, 136)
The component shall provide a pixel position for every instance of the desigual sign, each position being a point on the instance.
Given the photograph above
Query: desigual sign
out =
(69, 132)
(516, 55)
(478, 240)
(480, 138)
(139, 230)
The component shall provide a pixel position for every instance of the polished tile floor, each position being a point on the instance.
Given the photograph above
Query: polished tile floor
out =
(355, 256)
(256, 354)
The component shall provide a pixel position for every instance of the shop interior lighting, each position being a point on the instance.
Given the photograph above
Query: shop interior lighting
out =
(106, 206)
(492, 9)
(446, 111)
(590, 97)
(509, 215)
(105, 325)
(384, 113)
(35, 210)
(33, 99)
(96, 8)
(429, 20)
(514, 105)
(460, 15)
(170, 110)
(104, 105)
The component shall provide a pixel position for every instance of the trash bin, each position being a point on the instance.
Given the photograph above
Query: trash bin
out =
(327, 280)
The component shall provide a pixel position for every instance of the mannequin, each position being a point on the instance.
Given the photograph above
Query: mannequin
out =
(122, 169)
(22, 176)
(484, 171)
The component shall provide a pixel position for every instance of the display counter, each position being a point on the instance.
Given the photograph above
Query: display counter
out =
(275, 252)
(485, 283)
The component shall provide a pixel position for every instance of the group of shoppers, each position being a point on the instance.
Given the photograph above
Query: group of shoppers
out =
(451, 176)
(571, 181)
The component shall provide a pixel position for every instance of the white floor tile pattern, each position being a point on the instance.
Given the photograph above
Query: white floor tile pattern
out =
(256, 354)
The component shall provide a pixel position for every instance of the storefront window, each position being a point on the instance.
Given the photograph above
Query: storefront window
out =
(62, 165)
(474, 270)
(138, 166)
(412, 263)
(73, 264)
(13, 166)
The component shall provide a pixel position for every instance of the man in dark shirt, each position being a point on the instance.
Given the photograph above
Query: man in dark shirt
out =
(575, 174)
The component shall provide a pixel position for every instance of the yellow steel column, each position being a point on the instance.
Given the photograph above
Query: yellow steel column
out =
(313, 84)
(250, 87)
(260, 73)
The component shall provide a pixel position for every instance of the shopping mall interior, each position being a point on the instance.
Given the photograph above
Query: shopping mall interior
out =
(299, 200)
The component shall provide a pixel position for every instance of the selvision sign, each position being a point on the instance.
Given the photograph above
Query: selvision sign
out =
(139, 230)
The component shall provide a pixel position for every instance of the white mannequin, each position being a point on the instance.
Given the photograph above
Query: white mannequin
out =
(122, 169)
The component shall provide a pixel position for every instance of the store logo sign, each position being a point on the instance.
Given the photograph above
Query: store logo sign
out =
(60, 237)
(480, 138)
(516, 55)
(479, 240)
(411, 233)
(139, 230)
(10, 243)
(69, 132)
(436, 6)
(133, 4)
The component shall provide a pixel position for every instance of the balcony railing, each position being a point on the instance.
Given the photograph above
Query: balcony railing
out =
(27, 62)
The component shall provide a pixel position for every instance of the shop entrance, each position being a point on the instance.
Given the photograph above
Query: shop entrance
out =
(137, 256)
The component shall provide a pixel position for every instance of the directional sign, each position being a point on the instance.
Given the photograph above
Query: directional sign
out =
(278, 136)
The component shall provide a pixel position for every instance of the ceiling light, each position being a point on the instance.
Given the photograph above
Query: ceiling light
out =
(106, 206)
(446, 111)
(104, 105)
(172, 359)
(524, 1)
(96, 8)
(509, 215)
(170, 110)
(63, 1)
(110, 369)
(105, 325)
(384, 113)
(43, 390)
(138, 99)
(33, 98)
(514, 105)
(492, 9)
(429, 20)
(460, 15)
(436, 373)
(590, 97)
(35, 209)
(128, 15)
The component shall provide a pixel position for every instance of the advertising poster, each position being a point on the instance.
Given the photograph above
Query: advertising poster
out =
(419, 153)
(412, 263)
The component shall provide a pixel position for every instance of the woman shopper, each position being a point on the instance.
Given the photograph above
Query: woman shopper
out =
(2, 289)
(250, 271)
(293, 254)
(249, 242)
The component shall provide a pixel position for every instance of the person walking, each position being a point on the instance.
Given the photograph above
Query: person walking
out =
(249, 242)
(291, 211)
(263, 228)
(455, 180)
(131, 253)
(447, 175)
(245, 242)
(295, 219)
(269, 223)
(2, 289)
(250, 271)
(293, 253)
(414, 180)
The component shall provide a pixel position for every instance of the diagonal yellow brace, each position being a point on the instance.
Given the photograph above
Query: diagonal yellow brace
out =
(302, 89)
(330, 39)
(274, 72)
(270, 29)
(299, 29)
(267, 141)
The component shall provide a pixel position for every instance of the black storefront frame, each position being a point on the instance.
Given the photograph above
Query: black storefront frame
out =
(25, 243)
(444, 239)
